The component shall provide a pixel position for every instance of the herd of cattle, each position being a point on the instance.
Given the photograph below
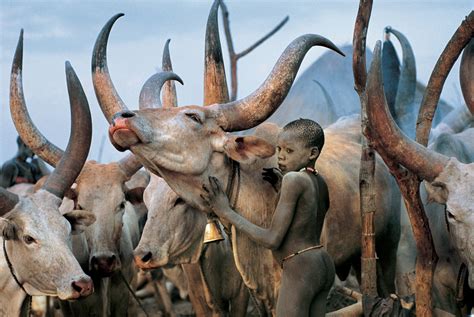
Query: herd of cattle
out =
(83, 231)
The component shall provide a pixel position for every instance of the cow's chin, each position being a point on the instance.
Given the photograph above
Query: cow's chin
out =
(123, 139)
(152, 264)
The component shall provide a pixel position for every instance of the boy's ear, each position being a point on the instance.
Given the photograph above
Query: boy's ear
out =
(8, 229)
(245, 148)
(79, 220)
(314, 153)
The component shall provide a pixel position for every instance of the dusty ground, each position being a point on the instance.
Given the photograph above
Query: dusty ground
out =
(183, 308)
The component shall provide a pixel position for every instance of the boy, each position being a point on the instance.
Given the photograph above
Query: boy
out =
(293, 236)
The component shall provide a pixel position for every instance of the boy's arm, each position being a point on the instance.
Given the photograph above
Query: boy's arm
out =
(272, 237)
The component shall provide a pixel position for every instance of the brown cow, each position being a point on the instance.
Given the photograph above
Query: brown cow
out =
(187, 144)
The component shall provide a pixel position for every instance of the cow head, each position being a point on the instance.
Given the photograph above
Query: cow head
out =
(36, 236)
(191, 142)
(38, 244)
(101, 189)
(173, 232)
(449, 181)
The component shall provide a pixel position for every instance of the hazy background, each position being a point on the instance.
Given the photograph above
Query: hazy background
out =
(56, 31)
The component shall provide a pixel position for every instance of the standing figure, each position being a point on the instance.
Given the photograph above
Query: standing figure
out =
(20, 170)
(294, 234)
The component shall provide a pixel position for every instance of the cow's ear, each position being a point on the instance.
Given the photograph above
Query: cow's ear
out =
(247, 148)
(8, 229)
(79, 220)
(72, 195)
(135, 195)
(437, 192)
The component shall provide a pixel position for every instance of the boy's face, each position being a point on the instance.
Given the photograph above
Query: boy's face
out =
(293, 154)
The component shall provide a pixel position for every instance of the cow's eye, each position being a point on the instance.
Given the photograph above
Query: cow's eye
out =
(178, 201)
(194, 116)
(28, 239)
(122, 205)
(450, 215)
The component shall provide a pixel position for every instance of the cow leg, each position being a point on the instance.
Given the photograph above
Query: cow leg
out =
(387, 253)
(239, 304)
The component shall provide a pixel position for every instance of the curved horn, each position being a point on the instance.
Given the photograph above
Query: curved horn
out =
(390, 71)
(413, 156)
(252, 110)
(215, 83)
(130, 164)
(151, 90)
(8, 201)
(326, 95)
(461, 37)
(108, 98)
(27, 130)
(79, 143)
(466, 75)
(407, 83)
(170, 99)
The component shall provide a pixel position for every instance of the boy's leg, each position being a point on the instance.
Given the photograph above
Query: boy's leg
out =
(318, 306)
(304, 278)
(294, 297)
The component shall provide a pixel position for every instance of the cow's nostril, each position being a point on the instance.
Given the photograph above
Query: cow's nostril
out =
(147, 257)
(127, 114)
(111, 260)
(77, 286)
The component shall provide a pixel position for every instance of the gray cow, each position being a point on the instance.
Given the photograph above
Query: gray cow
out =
(105, 248)
(448, 181)
(36, 257)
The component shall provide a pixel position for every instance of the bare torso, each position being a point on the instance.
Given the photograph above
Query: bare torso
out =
(310, 210)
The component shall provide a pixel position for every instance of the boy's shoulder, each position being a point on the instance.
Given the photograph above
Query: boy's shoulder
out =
(295, 178)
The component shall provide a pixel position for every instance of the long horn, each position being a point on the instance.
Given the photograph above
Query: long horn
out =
(215, 83)
(8, 201)
(79, 143)
(390, 72)
(151, 90)
(407, 83)
(466, 75)
(460, 39)
(108, 98)
(130, 164)
(413, 156)
(170, 99)
(254, 109)
(27, 130)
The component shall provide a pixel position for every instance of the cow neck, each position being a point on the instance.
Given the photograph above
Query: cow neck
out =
(232, 191)
(12, 272)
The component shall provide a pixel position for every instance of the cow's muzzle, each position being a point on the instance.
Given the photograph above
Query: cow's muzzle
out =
(82, 287)
(104, 264)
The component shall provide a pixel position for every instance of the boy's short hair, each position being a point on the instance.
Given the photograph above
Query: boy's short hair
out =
(307, 130)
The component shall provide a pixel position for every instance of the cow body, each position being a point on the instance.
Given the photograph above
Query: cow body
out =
(104, 250)
(173, 235)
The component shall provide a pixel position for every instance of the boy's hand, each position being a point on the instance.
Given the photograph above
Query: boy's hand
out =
(273, 176)
(215, 197)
